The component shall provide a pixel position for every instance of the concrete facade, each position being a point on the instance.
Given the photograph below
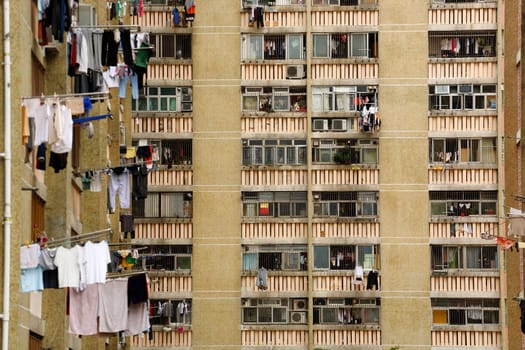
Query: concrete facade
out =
(441, 283)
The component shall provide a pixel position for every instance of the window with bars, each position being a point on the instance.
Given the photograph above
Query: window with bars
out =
(346, 311)
(273, 47)
(170, 311)
(345, 45)
(462, 97)
(274, 311)
(461, 44)
(274, 152)
(459, 1)
(345, 151)
(164, 99)
(343, 98)
(475, 257)
(463, 150)
(172, 152)
(464, 311)
(278, 258)
(345, 204)
(463, 203)
(165, 258)
(345, 2)
(164, 205)
(346, 257)
(274, 99)
(274, 204)
(168, 45)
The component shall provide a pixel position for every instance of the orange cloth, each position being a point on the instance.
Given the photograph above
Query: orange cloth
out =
(25, 126)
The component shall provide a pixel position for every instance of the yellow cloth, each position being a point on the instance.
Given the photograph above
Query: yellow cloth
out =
(131, 152)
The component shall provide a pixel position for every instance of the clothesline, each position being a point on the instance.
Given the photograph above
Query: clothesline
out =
(125, 165)
(77, 238)
(124, 274)
(81, 94)
(109, 26)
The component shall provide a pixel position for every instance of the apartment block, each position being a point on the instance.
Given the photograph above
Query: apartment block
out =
(330, 175)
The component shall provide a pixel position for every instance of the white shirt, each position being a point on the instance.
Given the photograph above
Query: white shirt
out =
(97, 259)
(67, 261)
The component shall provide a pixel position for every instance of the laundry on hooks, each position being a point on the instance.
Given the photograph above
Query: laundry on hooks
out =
(101, 235)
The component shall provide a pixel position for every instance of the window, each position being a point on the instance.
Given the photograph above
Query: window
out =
(254, 3)
(274, 204)
(172, 152)
(279, 258)
(274, 310)
(167, 99)
(462, 44)
(170, 311)
(37, 216)
(446, 257)
(465, 311)
(165, 258)
(343, 98)
(463, 203)
(345, 151)
(346, 311)
(463, 150)
(274, 152)
(171, 45)
(462, 97)
(345, 204)
(274, 99)
(164, 205)
(345, 45)
(273, 47)
(346, 257)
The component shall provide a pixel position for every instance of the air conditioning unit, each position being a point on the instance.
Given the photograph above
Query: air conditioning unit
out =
(465, 88)
(336, 301)
(249, 3)
(339, 124)
(298, 317)
(295, 72)
(186, 106)
(299, 304)
(442, 89)
(320, 125)
(186, 98)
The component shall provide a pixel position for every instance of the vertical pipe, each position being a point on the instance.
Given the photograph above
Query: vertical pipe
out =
(7, 177)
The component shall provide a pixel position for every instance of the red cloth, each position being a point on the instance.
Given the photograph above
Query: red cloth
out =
(505, 243)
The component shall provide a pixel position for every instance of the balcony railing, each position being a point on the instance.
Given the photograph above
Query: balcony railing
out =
(169, 124)
(463, 70)
(486, 340)
(262, 122)
(276, 283)
(449, 175)
(463, 123)
(345, 176)
(163, 231)
(274, 177)
(281, 18)
(287, 338)
(274, 230)
(164, 337)
(343, 71)
(345, 18)
(161, 286)
(344, 283)
(464, 16)
(461, 229)
(345, 229)
(177, 176)
(347, 338)
(169, 71)
(465, 284)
